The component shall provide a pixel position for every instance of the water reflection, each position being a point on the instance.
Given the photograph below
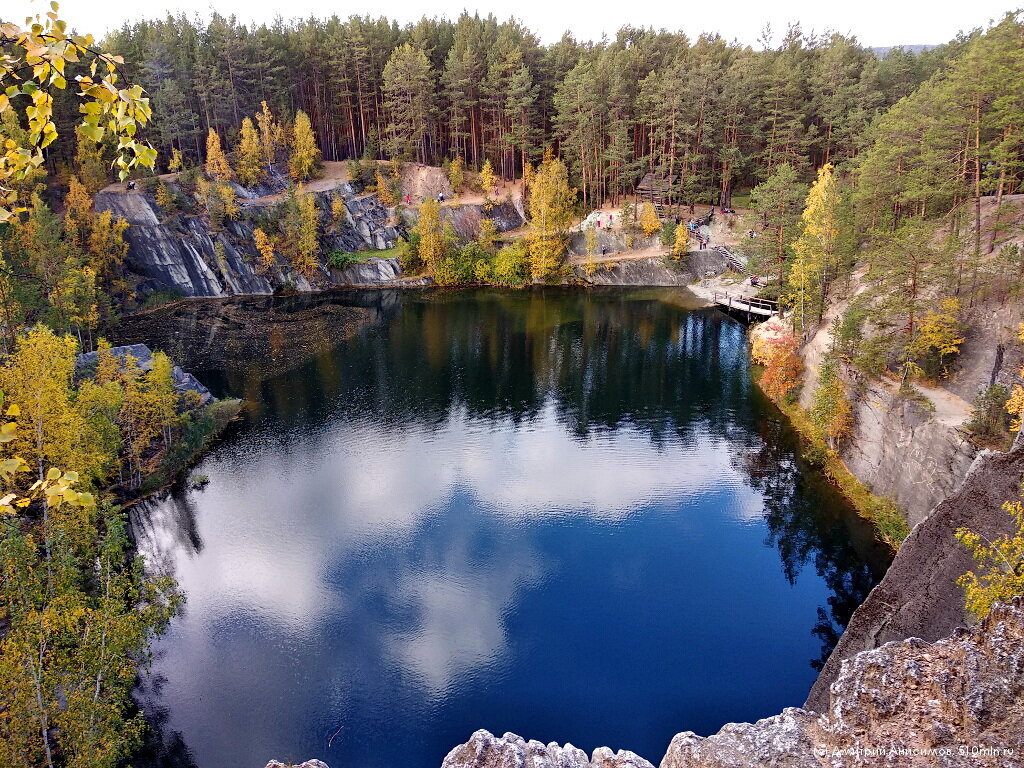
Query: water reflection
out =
(555, 513)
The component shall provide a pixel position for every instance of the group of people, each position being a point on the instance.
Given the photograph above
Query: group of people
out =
(695, 230)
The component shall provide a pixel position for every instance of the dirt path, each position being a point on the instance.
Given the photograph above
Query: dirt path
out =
(950, 409)
(335, 173)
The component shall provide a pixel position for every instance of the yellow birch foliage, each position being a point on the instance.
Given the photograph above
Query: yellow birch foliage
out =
(1015, 405)
(77, 212)
(457, 174)
(815, 249)
(271, 134)
(249, 155)
(37, 378)
(682, 242)
(487, 179)
(305, 157)
(338, 210)
(649, 221)
(432, 244)
(177, 162)
(385, 192)
(107, 246)
(831, 413)
(551, 214)
(265, 246)
(939, 333)
(488, 237)
(217, 167)
(1000, 574)
(165, 199)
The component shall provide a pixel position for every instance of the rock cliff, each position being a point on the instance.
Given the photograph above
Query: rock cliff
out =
(955, 702)
(919, 597)
(183, 254)
(654, 270)
(484, 750)
(911, 449)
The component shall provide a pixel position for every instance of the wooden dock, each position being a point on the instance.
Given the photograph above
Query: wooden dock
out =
(748, 304)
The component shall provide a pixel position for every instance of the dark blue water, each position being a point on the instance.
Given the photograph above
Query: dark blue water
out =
(567, 515)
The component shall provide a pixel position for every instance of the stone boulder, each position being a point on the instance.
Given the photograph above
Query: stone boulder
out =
(184, 382)
(484, 750)
(307, 764)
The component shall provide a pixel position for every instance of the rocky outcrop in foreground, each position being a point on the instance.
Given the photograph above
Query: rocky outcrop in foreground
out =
(956, 702)
(485, 750)
(183, 381)
(307, 764)
(919, 596)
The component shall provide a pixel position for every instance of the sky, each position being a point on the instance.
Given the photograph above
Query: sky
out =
(874, 22)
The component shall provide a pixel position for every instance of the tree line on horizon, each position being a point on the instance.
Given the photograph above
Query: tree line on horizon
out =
(715, 116)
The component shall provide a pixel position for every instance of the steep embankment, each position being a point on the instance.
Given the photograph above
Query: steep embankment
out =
(182, 253)
(919, 597)
(651, 267)
(955, 702)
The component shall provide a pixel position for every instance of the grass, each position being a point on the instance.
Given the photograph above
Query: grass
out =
(342, 259)
(160, 298)
(882, 512)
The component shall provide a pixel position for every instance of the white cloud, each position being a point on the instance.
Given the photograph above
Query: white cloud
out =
(357, 486)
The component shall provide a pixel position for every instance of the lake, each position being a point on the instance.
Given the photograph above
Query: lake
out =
(567, 514)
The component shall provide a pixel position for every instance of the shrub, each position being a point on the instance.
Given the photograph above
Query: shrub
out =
(408, 250)
(342, 259)
(668, 233)
(512, 265)
(482, 271)
(990, 421)
(1000, 562)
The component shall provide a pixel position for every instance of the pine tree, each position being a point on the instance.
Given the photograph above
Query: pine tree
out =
(408, 87)
(777, 200)
(304, 161)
